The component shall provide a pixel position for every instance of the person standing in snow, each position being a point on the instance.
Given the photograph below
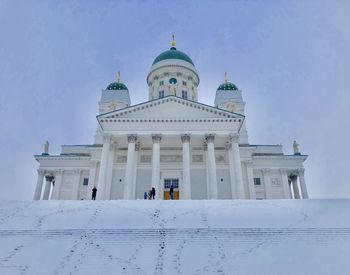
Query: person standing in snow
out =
(145, 195)
(94, 191)
(171, 192)
(153, 193)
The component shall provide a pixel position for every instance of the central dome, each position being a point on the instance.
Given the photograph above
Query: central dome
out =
(173, 53)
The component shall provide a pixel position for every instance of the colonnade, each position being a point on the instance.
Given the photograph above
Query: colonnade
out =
(185, 186)
(53, 179)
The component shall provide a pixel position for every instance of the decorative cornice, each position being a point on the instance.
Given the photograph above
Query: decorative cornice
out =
(185, 138)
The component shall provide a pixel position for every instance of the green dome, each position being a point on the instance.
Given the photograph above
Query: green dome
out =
(173, 53)
(228, 86)
(116, 86)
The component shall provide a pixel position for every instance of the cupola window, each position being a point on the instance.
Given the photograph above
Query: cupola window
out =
(161, 94)
(184, 83)
(161, 83)
(184, 94)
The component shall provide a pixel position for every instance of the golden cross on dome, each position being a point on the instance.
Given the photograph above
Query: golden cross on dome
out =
(173, 43)
(118, 77)
(226, 77)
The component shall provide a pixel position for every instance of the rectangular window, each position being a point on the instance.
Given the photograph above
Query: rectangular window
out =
(184, 83)
(161, 94)
(161, 83)
(169, 182)
(184, 94)
(86, 181)
(257, 181)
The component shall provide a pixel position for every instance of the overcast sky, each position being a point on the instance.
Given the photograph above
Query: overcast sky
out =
(290, 58)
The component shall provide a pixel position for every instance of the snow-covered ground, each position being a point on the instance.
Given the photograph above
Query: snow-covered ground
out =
(175, 237)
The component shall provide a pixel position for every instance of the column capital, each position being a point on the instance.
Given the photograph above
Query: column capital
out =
(49, 178)
(210, 138)
(234, 138)
(156, 138)
(132, 138)
(106, 138)
(185, 138)
(293, 177)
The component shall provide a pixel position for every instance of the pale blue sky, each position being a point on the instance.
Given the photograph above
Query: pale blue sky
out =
(290, 58)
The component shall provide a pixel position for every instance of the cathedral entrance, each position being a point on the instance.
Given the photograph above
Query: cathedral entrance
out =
(167, 184)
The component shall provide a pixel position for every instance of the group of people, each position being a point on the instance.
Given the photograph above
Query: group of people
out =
(150, 195)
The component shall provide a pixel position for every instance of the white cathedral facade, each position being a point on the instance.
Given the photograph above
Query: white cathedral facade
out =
(172, 139)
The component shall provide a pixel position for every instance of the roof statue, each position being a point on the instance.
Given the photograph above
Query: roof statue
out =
(296, 148)
(46, 148)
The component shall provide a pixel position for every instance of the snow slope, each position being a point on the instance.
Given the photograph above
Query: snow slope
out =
(175, 237)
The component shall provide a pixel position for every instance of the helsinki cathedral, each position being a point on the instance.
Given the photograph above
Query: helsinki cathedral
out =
(171, 140)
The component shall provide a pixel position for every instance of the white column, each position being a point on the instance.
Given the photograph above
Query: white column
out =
(92, 179)
(303, 188)
(108, 186)
(76, 183)
(47, 189)
(186, 169)
(250, 176)
(57, 186)
(267, 183)
(156, 139)
(285, 184)
(205, 148)
(237, 166)
(103, 168)
(213, 185)
(295, 186)
(39, 185)
(232, 171)
(137, 150)
(129, 170)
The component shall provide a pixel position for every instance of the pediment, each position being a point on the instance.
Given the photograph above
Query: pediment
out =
(170, 114)
(170, 107)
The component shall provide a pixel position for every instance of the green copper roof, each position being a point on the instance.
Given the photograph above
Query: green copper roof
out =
(173, 53)
(116, 86)
(228, 86)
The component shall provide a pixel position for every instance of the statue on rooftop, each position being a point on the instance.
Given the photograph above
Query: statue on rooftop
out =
(46, 147)
(296, 148)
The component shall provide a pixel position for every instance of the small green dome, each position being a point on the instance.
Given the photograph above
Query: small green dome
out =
(173, 53)
(228, 86)
(116, 86)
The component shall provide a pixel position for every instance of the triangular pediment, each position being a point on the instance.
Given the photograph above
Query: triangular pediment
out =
(170, 114)
(170, 107)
